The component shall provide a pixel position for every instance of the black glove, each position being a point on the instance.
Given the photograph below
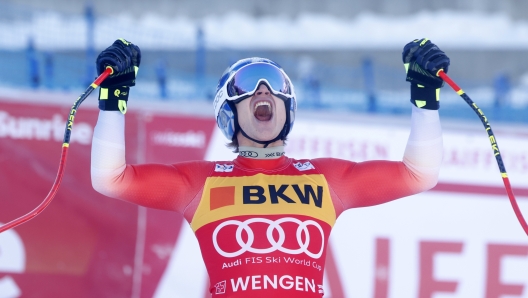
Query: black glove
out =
(124, 57)
(422, 60)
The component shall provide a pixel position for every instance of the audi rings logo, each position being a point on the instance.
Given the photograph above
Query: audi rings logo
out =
(248, 154)
(274, 225)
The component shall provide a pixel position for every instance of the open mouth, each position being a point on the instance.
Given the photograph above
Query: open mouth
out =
(262, 111)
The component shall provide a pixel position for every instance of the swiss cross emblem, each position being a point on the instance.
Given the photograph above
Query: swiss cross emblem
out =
(220, 287)
(304, 166)
(223, 168)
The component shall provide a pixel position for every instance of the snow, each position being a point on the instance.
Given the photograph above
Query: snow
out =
(453, 30)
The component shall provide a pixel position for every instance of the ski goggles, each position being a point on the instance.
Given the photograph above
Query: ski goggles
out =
(244, 82)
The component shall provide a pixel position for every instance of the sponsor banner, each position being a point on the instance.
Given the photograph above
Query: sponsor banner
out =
(44, 124)
(434, 244)
(84, 244)
(78, 239)
(171, 138)
(468, 155)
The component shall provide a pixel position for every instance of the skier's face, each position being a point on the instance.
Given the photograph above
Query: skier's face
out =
(261, 116)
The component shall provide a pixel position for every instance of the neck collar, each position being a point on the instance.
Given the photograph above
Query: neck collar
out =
(261, 153)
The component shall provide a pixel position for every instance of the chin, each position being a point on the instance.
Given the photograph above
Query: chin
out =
(265, 136)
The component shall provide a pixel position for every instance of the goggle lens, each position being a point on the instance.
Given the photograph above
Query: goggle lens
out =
(247, 78)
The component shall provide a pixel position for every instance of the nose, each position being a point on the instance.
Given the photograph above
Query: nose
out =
(262, 90)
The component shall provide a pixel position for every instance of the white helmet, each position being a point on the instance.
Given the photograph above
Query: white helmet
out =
(240, 81)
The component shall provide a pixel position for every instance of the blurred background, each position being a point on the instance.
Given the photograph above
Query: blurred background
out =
(460, 239)
(341, 54)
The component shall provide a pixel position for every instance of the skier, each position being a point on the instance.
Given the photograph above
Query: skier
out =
(263, 219)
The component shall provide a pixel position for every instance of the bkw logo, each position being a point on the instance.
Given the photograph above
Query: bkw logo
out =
(256, 194)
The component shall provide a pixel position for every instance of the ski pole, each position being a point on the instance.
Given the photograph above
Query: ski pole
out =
(65, 145)
(494, 146)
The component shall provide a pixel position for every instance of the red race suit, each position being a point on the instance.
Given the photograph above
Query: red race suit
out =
(263, 224)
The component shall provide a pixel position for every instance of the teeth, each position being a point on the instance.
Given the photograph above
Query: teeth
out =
(262, 103)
